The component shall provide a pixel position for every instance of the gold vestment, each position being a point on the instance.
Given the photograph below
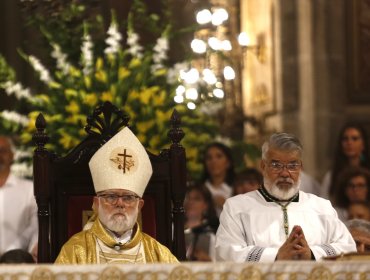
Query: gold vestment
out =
(83, 248)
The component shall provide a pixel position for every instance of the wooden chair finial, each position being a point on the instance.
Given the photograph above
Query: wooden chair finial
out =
(40, 138)
(175, 133)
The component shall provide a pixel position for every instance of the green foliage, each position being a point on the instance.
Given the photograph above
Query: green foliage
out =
(6, 73)
(133, 77)
(245, 154)
(64, 23)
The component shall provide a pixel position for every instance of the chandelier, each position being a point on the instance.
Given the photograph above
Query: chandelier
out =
(211, 67)
(217, 59)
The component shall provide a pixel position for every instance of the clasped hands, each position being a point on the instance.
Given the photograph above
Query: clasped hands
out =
(295, 247)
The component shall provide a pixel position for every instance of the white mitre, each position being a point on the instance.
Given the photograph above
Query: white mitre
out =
(121, 163)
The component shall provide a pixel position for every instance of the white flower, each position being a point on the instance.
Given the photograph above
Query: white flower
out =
(160, 50)
(87, 54)
(113, 40)
(160, 54)
(61, 58)
(159, 57)
(132, 38)
(22, 169)
(156, 67)
(38, 67)
(17, 89)
(19, 154)
(15, 117)
(134, 48)
(162, 45)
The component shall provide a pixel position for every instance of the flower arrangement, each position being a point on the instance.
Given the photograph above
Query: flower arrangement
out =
(137, 78)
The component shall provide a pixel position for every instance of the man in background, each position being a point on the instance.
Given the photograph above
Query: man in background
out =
(360, 230)
(18, 209)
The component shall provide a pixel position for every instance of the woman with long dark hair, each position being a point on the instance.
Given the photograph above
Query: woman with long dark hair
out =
(351, 150)
(353, 186)
(218, 173)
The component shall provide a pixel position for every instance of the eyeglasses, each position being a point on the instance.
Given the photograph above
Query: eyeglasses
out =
(352, 138)
(358, 186)
(277, 167)
(113, 198)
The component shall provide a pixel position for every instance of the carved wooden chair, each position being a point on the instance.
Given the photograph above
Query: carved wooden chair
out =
(64, 189)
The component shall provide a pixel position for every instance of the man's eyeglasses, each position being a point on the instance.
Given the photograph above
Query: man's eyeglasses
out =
(277, 167)
(113, 198)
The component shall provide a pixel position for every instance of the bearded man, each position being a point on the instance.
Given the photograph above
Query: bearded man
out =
(120, 170)
(278, 221)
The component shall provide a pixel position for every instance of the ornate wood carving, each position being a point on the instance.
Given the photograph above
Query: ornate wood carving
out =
(178, 164)
(106, 120)
(41, 160)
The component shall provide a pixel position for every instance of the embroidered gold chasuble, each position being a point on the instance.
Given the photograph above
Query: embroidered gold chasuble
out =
(96, 245)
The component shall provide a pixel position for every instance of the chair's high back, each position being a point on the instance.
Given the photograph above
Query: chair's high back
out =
(64, 189)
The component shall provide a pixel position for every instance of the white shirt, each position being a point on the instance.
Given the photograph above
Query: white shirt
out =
(224, 191)
(18, 215)
(251, 229)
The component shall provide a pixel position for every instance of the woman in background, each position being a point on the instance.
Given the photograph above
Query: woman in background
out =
(218, 173)
(351, 150)
(353, 186)
(201, 224)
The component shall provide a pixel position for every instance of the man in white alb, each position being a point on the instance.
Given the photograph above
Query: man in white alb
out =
(277, 221)
(18, 209)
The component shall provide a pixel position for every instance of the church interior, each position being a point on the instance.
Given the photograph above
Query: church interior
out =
(235, 71)
(304, 71)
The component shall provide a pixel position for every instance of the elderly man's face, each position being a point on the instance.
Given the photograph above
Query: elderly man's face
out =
(118, 209)
(6, 154)
(281, 171)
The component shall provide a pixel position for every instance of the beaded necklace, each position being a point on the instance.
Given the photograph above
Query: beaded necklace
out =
(283, 207)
